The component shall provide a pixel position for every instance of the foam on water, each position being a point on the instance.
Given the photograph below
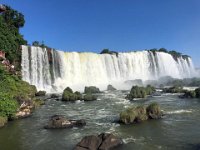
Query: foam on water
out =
(179, 111)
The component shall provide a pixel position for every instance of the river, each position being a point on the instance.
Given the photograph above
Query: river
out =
(178, 129)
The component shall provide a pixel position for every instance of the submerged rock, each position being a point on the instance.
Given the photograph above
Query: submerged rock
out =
(40, 93)
(104, 141)
(59, 122)
(91, 90)
(140, 113)
(110, 88)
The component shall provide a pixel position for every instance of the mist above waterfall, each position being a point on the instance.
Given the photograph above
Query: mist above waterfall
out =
(53, 70)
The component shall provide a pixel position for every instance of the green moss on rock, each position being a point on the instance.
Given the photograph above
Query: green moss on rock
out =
(140, 92)
(69, 95)
(154, 111)
(91, 90)
(140, 114)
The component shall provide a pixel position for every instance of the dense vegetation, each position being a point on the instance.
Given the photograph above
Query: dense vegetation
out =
(12, 91)
(40, 44)
(107, 51)
(10, 38)
(174, 53)
(174, 89)
(140, 92)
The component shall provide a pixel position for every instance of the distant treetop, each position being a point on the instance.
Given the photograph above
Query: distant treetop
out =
(107, 51)
(174, 53)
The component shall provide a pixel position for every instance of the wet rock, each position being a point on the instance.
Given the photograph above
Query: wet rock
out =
(59, 122)
(56, 96)
(91, 142)
(89, 97)
(154, 111)
(69, 95)
(91, 90)
(104, 141)
(40, 93)
(140, 114)
(25, 109)
(109, 141)
(110, 88)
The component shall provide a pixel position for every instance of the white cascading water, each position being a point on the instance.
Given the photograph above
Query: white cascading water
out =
(52, 70)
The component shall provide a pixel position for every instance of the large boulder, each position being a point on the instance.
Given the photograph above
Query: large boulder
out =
(91, 142)
(109, 141)
(104, 141)
(69, 95)
(140, 92)
(59, 122)
(140, 114)
(91, 90)
(40, 93)
(133, 115)
(154, 111)
(110, 88)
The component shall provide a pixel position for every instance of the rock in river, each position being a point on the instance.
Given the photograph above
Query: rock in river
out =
(59, 122)
(104, 141)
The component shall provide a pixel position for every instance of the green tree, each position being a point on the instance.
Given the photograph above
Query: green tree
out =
(10, 38)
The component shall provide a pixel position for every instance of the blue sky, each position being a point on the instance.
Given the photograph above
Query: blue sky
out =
(121, 25)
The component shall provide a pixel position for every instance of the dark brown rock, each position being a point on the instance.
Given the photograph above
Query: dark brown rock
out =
(109, 141)
(104, 141)
(59, 122)
(91, 142)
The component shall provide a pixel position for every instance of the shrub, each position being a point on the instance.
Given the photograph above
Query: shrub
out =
(140, 92)
(8, 106)
(154, 111)
(140, 113)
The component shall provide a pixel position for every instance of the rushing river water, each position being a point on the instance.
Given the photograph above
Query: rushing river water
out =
(178, 129)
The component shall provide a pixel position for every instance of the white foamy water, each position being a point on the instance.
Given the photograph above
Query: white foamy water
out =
(53, 70)
(178, 111)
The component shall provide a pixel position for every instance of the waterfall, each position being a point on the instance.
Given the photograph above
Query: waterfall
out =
(53, 70)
